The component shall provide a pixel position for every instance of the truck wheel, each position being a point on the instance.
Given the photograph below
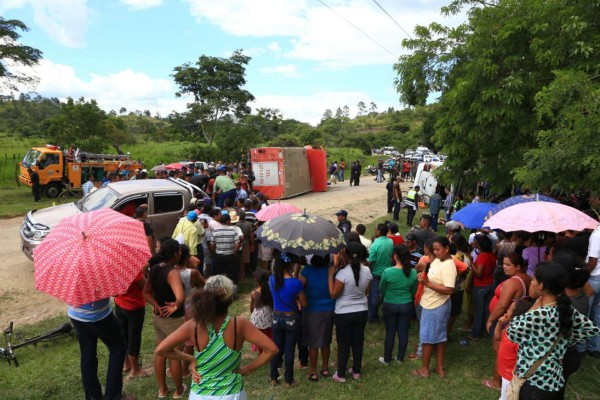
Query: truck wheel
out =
(52, 190)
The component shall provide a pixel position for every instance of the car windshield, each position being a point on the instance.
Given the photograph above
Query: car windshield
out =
(31, 158)
(101, 198)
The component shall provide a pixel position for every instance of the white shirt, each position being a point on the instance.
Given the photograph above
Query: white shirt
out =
(365, 242)
(594, 250)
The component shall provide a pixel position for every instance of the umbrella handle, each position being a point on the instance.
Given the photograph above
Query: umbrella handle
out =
(83, 234)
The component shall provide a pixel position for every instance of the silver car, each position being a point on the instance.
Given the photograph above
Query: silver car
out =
(166, 199)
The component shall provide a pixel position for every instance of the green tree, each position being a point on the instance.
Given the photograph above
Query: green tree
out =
(495, 73)
(216, 86)
(11, 52)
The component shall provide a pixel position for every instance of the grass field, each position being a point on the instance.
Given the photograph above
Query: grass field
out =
(51, 371)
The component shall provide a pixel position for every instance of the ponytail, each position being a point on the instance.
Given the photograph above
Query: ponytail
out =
(565, 314)
(355, 251)
(555, 279)
(355, 264)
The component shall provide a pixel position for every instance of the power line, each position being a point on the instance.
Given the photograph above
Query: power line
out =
(358, 29)
(392, 18)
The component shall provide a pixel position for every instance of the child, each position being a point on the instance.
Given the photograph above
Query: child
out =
(507, 352)
(261, 305)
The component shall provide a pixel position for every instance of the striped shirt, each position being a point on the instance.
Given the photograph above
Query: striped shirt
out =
(91, 312)
(225, 238)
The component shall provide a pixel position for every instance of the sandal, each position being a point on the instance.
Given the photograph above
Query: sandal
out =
(313, 377)
(418, 373)
(325, 373)
(162, 396)
(183, 392)
(488, 383)
(274, 382)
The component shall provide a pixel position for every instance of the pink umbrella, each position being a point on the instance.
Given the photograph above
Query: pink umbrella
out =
(175, 166)
(276, 210)
(540, 216)
(90, 256)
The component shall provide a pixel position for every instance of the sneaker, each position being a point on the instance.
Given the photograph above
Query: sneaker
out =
(356, 376)
(337, 378)
(382, 360)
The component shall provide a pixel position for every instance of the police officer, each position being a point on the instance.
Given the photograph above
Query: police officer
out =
(344, 224)
(412, 204)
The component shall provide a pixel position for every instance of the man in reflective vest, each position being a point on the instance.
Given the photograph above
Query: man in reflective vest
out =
(412, 204)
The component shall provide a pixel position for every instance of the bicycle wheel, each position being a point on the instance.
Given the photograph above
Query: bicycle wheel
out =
(63, 197)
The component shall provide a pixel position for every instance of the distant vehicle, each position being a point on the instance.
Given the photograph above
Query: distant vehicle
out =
(422, 149)
(375, 152)
(389, 150)
(425, 178)
(166, 200)
(431, 158)
(200, 164)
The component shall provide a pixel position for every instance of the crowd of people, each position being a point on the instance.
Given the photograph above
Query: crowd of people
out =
(530, 293)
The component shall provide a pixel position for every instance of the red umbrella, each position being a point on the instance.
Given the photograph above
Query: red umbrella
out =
(175, 166)
(276, 210)
(90, 256)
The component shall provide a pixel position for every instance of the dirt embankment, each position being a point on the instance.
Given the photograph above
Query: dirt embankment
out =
(20, 302)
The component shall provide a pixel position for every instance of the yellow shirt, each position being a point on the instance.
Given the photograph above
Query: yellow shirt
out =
(442, 273)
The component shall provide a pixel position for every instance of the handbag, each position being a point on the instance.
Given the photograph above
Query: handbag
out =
(514, 388)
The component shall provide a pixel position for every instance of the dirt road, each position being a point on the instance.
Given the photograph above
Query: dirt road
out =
(20, 302)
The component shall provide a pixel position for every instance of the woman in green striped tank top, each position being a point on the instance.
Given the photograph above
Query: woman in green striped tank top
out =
(218, 339)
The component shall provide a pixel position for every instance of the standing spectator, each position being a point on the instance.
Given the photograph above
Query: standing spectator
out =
(341, 170)
(424, 233)
(435, 204)
(438, 284)
(380, 176)
(358, 172)
(448, 204)
(379, 260)
(186, 232)
(349, 283)
(397, 198)
(333, 173)
(398, 287)
(412, 204)
(317, 317)
(225, 244)
(593, 345)
(164, 291)
(95, 321)
(416, 251)
(247, 243)
(406, 169)
(395, 236)
(483, 285)
(286, 291)
(35, 184)
(240, 193)
(86, 188)
(130, 310)
(344, 225)
(353, 173)
(361, 230)
(389, 187)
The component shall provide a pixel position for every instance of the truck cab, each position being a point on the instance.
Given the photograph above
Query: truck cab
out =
(48, 162)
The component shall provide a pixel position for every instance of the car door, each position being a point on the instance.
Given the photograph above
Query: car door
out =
(164, 212)
(128, 204)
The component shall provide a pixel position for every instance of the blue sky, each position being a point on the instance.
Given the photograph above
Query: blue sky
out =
(305, 58)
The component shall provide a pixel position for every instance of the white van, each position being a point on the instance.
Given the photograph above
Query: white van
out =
(389, 150)
(426, 180)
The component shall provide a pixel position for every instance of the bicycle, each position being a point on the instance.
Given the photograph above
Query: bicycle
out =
(8, 353)
(69, 191)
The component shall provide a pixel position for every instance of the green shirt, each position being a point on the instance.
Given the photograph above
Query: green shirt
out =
(397, 288)
(224, 183)
(380, 254)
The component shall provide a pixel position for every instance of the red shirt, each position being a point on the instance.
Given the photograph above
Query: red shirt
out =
(488, 261)
(507, 357)
(397, 239)
(133, 299)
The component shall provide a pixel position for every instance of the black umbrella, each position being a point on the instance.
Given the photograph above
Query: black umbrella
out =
(301, 234)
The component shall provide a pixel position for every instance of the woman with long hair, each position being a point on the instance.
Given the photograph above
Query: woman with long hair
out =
(545, 332)
(515, 287)
(483, 285)
(349, 283)
(218, 340)
(317, 317)
(438, 285)
(261, 305)
(286, 290)
(398, 287)
(164, 291)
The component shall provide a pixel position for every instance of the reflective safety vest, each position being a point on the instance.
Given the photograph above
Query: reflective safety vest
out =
(410, 198)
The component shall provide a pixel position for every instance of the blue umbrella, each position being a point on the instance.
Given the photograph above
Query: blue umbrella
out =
(524, 198)
(474, 214)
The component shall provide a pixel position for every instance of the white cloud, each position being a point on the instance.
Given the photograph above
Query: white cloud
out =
(310, 108)
(288, 70)
(274, 47)
(316, 33)
(136, 5)
(65, 21)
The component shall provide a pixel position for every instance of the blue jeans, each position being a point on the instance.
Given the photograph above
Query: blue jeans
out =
(594, 343)
(434, 221)
(397, 322)
(373, 299)
(88, 333)
(482, 295)
(230, 194)
(285, 337)
(341, 175)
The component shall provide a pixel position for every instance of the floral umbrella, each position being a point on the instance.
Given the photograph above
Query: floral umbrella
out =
(301, 234)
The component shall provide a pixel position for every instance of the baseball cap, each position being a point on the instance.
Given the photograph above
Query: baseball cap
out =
(342, 212)
(411, 236)
(192, 216)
